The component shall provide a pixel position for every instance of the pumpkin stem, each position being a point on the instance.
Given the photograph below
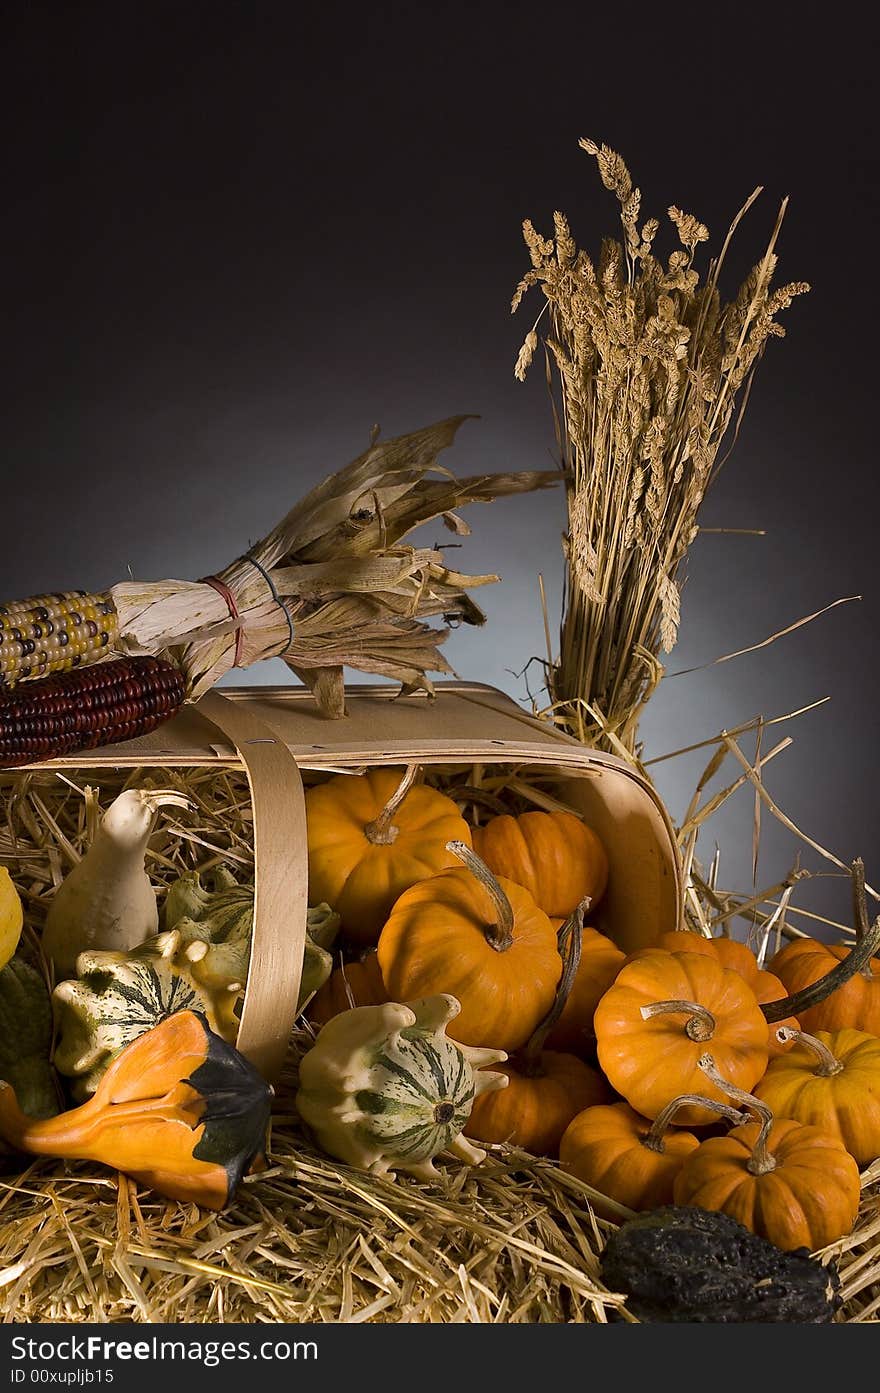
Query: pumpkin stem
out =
(466, 793)
(499, 935)
(857, 960)
(761, 1161)
(570, 939)
(828, 1065)
(654, 1139)
(381, 831)
(700, 1027)
(860, 910)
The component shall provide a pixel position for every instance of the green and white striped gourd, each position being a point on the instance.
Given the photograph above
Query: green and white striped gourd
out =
(117, 997)
(383, 1087)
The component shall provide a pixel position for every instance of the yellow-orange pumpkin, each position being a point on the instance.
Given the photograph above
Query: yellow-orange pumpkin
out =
(370, 837)
(830, 1081)
(663, 1012)
(481, 939)
(555, 856)
(534, 1109)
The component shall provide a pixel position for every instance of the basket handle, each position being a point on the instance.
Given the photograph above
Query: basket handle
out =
(281, 882)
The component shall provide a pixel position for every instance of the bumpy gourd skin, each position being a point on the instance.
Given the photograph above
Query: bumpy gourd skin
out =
(681, 1264)
(361, 879)
(383, 1088)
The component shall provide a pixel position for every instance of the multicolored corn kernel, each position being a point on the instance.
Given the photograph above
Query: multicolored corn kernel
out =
(101, 705)
(54, 633)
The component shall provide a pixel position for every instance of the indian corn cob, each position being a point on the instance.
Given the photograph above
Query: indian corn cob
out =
(53, 633)
(99, 705)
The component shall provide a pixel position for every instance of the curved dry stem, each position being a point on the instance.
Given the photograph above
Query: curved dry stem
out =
(861, 921)
(701, 1025)
(828, 1065)
(381, 831)
(654, 1139)
(858, 960)
(466, 793)
(570, 938)
(500, 934)
(761, 1161)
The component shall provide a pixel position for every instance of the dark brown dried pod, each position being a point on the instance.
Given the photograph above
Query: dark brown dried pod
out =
(683, 1264)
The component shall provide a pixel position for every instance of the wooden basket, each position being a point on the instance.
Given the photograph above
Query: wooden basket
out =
(276, 732)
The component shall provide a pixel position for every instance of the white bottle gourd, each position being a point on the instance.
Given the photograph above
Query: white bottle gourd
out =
(107, 901)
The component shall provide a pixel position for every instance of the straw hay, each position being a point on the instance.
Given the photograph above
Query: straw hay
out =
(650, 370)
(515, 1240)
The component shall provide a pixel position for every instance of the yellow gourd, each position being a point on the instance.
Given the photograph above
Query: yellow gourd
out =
(11, 917)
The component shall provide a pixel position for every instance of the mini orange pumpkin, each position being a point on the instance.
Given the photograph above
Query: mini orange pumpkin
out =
(654, 1023)
(831, 1081)
(836, 986)
(600, 962)
(352, 984)
(627, 1158)
(792, 1184)
(480, 939)
(370, 837)
(555, 856)
(737, 957)
(537, 1107)
(856, 1004)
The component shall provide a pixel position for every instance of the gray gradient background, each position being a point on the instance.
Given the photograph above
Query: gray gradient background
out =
(234, 237)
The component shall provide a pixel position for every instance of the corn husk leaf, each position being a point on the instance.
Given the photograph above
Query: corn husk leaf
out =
(344, 587)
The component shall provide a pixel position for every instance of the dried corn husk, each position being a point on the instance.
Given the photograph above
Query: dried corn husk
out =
(335, 584)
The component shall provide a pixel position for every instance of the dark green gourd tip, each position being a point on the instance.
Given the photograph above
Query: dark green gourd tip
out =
(238, 1103)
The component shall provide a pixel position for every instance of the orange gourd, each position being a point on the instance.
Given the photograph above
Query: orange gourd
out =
(831, 1081)
(370, 837)
(555, 856)
(660, 1016)
(738, 957)
(534, 1109)
(480, 939)
(178, 1110)
(627, 1158)
(793, 1184)
(600, 962)
(353, 984)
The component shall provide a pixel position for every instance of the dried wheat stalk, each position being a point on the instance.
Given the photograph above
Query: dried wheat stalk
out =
(649, 364)
(335, 584)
